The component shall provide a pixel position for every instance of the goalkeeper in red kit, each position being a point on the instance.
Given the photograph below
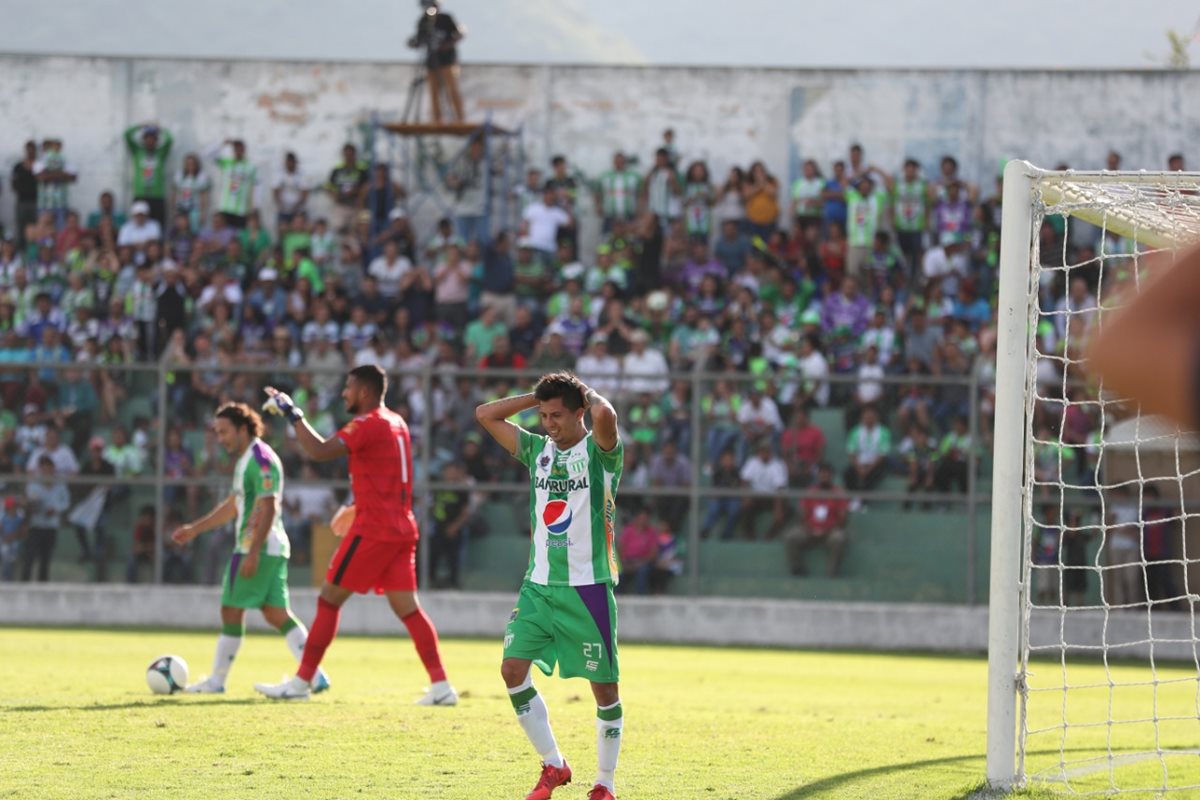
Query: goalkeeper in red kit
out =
(378, 552)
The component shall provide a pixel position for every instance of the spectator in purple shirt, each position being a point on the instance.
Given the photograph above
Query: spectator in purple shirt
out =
(952, 214)
(849, 308)
(699, 265)
(214, 240)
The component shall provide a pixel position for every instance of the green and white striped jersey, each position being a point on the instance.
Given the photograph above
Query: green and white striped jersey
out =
(235, 186)
(259, 473)
(864, 216)
(807, 194)
(910, 203)
(572, 509)
(619, 192)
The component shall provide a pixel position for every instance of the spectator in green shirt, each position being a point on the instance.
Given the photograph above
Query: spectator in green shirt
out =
(107, 210)
(256, 240)
(307, 269)
(235, 181)
(149, 146)
(868, 445)
(124, 456)
(481, 333)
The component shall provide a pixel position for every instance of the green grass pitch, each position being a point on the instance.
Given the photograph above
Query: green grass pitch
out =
(77, 721)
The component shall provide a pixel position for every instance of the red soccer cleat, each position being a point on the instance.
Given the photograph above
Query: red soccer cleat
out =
(552, 778)
(600, 792)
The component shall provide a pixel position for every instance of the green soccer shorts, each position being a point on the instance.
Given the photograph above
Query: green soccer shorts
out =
(573, 626)
(268, 587)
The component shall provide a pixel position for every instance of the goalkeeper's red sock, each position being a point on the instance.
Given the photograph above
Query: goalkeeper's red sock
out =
(425, 639)
(324, 628)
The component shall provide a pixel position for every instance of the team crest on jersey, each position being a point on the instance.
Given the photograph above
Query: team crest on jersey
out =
(557, 516)
(544, 461)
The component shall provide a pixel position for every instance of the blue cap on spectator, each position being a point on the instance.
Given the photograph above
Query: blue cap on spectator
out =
(150, 130)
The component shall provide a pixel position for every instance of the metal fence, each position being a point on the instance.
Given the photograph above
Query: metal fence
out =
(434, 394)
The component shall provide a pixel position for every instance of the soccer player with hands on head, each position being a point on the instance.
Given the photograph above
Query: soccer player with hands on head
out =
(256, 576)
(565, 611)
(378, 551)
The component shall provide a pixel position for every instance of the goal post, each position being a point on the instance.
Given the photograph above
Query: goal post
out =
(1093, 637)
(1004, 591)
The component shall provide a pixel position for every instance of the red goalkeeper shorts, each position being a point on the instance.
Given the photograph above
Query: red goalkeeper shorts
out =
(363, 565)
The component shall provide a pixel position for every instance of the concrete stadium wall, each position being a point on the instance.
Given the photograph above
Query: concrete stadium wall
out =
(725, 115)
(715, 621)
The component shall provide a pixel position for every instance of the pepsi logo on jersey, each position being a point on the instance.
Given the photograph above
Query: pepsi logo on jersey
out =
(557, 516)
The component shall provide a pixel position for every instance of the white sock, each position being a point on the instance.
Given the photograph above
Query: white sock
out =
(295, 639)
(535, 721)
(440, 688)
(227, 648)
(609, 724)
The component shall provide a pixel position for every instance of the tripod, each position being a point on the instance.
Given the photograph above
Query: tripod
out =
(416, 89)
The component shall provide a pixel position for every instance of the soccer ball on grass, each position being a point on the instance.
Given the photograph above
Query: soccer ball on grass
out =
(167, 675)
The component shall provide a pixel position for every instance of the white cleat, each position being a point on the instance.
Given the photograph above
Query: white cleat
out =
(292, 688)
(439, 696)
(210, 685)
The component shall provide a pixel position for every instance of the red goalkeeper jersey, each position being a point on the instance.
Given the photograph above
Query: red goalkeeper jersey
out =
(381, 475)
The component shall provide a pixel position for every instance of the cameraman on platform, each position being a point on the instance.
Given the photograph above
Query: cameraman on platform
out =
(439, 34)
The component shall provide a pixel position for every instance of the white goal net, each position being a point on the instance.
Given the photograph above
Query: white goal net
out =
(1094, 648)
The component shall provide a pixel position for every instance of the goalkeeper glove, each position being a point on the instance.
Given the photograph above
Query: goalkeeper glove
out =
(281, 405)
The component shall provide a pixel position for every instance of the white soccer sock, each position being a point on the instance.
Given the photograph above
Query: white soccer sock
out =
(609, 725)
(296, 639)
(227, 648)
(535, 721)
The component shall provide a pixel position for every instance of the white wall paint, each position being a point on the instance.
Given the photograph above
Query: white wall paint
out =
(725, 115)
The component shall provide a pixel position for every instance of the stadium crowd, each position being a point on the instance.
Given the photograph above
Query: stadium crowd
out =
(852, 270)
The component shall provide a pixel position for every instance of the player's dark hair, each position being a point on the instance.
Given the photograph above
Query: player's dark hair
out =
(241, 415)
(372, 376)
(563, 385)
